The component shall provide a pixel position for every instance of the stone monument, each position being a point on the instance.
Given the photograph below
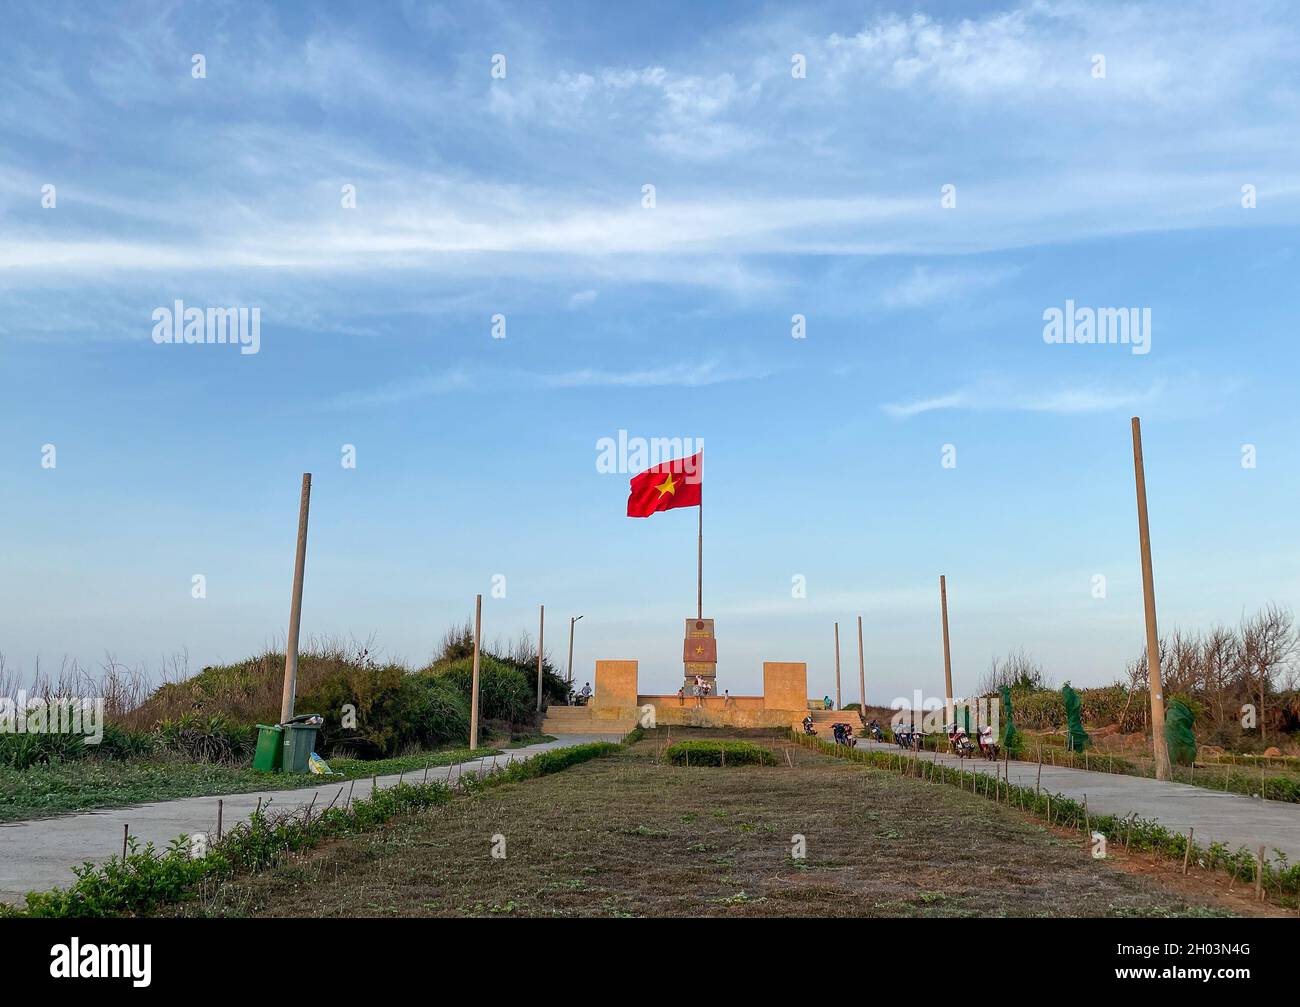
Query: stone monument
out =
(700, 655)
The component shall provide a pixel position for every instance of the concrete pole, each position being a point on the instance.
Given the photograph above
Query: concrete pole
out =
(862, 672)
(1159, 750)
(541, 649)
(839, 703)
(295, 606)
(473, 699)
(947, 651)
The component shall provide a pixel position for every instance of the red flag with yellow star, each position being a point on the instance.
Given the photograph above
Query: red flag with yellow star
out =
(678, 483)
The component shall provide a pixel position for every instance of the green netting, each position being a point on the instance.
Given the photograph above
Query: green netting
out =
(1008, 737)
(1076, 739)
(1179, 738)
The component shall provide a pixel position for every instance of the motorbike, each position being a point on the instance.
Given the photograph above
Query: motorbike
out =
(960, 742)
(808, 727)
(873, 729)
(843, 735)
(908, 738)
(988, 744)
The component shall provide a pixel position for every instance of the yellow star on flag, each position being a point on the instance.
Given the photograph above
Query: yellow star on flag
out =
(667, 486)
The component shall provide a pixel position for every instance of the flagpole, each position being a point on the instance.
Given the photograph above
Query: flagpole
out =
(699, 563)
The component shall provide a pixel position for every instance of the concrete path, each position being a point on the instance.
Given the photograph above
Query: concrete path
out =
(39, 855)
(1217, 816)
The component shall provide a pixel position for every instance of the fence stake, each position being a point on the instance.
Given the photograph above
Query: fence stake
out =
(1038, 783)
(219, 809)
(1087, 822)
(126, 831)
(1259, 876)
(1187, 850)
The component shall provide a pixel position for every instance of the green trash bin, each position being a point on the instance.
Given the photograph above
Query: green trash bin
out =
(299, 741)
(269, 750)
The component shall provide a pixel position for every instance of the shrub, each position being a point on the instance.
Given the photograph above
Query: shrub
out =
(719, 753)
(505, 693)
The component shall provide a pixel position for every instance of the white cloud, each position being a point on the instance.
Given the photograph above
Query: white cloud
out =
(999, 396)
(924, 286)
(683, 375)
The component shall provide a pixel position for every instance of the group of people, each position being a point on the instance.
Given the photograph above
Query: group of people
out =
(701, 691)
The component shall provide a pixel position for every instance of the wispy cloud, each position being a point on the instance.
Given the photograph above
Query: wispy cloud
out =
(997, 396)
(682, 375)
(925, 285)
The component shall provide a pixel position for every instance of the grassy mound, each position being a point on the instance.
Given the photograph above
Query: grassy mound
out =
(719, 753)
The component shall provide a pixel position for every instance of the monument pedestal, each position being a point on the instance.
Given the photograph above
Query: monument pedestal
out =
(700, 655)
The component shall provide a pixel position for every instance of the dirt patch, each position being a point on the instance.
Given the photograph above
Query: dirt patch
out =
(628, 836)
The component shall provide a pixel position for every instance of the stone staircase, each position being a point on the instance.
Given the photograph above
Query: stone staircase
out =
(579, 720)
(823, 719)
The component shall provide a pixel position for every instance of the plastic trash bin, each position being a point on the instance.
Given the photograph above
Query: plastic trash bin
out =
(299, 740)
(269, 750)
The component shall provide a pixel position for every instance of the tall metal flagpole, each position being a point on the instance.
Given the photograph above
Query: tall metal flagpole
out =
(699, 563)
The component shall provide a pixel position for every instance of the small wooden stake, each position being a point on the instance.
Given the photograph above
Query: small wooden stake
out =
(1087, 822)
(1187, 850)
(126, 831)
(219, 810)
(1259, 876)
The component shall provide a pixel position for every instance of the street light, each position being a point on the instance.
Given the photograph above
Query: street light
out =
(572, 620)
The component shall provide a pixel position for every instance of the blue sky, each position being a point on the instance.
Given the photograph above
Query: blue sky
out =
(522, 196)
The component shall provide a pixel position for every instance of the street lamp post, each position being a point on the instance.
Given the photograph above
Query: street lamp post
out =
(572, 621)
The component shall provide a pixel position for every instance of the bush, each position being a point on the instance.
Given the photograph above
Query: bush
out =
(505, 693)
(719, 753)
(211, 739)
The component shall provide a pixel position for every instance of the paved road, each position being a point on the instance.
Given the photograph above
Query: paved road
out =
(1215, 815)
(37, 856)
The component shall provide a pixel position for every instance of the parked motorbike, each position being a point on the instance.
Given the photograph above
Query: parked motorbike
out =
(844, 735)
(908, 738)
(960, 742)
(988, 743)
(873, 729)
(808, 726)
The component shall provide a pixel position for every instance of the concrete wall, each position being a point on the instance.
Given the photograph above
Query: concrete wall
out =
(783, 703)
(615, 697)
(785, 685)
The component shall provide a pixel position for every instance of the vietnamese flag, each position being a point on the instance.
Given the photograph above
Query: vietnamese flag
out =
(678, 483)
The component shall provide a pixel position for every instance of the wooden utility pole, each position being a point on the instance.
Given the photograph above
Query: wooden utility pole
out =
(839, 703)
(473, 698)
(862, 673)
(541, 643)
(295, 606)
(1159, 749)
(947, 650)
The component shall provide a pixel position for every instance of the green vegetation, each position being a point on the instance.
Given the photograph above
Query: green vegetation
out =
(719, 753)
(62, 787)
(146, 878)
(195, 735)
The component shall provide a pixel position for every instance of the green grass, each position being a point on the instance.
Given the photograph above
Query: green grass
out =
(85, 784)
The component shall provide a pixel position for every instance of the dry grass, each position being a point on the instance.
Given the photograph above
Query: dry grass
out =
(628, 836)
